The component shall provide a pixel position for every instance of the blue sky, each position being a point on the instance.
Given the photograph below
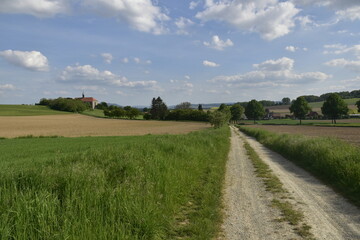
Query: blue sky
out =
(201, 51)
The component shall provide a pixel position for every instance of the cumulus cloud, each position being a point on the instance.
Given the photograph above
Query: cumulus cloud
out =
(138, 61)
(270, 18)
(348, 64)
(107, 57)
(89, 74)
(141, 15)
(210, 64)
(38, 8)
(125, 60)
(218, 44)
(182, 24)
(272, 73)
(291, 48)
(32, 60)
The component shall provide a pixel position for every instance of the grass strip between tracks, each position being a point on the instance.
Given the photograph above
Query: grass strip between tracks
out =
(289, 212)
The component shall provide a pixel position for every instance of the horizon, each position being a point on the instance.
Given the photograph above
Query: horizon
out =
(203, 51)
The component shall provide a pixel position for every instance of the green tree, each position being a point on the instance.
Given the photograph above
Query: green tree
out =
(200, 107)
(286, 101)
(300, 108)
(254, 110)
(334, 107)
(183, 105)
(218, 119)
(236, 112)
(358, 105)
(158, 109)
(132, 113)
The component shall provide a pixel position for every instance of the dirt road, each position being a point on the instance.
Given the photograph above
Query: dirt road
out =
(248, 215)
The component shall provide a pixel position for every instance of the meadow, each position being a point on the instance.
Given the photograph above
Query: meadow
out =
(138, 187)
(334, 161)
(27, 110)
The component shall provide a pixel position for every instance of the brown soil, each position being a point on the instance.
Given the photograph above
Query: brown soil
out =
(76, 125)
(350, 134)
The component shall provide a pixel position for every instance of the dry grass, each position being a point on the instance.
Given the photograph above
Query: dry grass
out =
(349, 134)
(76, 125)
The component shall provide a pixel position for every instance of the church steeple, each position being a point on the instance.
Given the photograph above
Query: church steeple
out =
(83, 95)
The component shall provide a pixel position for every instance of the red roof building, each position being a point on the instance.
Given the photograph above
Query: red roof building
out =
(92, 101)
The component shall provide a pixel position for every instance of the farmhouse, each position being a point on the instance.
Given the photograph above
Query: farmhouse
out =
(90, 100)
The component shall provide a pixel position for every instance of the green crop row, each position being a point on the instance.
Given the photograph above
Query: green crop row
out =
(147, 187)
(335, 162)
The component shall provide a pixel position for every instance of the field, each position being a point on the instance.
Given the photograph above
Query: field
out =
(27, 110)
(349, 134)
(138, 187)
(354, 122)
(76, 125)
(316, 107)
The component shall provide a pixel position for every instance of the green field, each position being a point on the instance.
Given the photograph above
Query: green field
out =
(334, 161)
(350, 101)
(27, 110)
(148, 187)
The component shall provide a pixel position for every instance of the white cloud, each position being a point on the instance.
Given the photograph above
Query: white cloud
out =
(349, 13)
(272, 73)
(125, 60)
(182, 24)
(187, 77)
(210, 64)
(38, 8)
(270, 18)
(7, 86)
(89, 74)
(342, 49)
(291, 48)
(141, 15)
(348, 64)
(32, 60)
(107, 57)
(137, 60)
(193, 5)
(218, 44)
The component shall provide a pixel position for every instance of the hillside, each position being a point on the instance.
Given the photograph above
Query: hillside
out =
(27, 110)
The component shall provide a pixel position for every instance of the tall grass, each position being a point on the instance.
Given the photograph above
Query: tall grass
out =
(335, 162)
(149, 187)
(27, 110)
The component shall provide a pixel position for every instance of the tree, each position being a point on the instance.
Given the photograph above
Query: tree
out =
(158, 109)
(236, 112)
(218, 119)
(254, 110)
(358, 105)
(286, 101)
(200, 107)
(334, 107)
(300, 108)
(222, 106)
(183, 105)
(132, 113)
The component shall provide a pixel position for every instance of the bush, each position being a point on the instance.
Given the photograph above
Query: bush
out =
(187, 114)
(65, 104)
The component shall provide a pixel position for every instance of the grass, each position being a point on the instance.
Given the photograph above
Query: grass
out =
(27, 110)
(272, 183)
(334, 161)
(304, 122)
(148, 187)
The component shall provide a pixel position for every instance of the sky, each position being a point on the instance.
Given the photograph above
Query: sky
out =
(202, 51)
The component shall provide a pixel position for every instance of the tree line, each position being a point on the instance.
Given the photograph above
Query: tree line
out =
(65, 104)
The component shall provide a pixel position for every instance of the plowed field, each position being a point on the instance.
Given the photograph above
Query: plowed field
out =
(76, 125)
(350, 134)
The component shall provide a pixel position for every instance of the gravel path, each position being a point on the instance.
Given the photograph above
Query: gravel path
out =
(329, 215)
(248, 215)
